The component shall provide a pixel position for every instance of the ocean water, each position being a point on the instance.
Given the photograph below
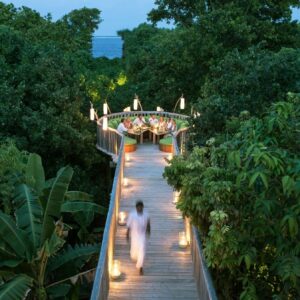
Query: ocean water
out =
(110, 47)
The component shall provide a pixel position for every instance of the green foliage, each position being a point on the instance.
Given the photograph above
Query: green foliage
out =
(16, 288)
(34, 246)
(243, 194)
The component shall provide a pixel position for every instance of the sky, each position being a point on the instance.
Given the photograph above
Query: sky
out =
(116, 14)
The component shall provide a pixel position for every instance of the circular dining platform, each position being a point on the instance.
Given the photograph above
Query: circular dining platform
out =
(109, 139)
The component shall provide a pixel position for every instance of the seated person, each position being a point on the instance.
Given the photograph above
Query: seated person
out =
(128, 123)
(153, 121)
(121, 127)
(161, 124)
(139, 121)
(171, 125)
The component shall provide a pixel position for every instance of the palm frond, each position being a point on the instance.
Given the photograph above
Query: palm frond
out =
(78, 206)
(58, 291)
(28, 213)
(78, 196)
(55, 199)
(35, 174)
(74, 257)
(13, 236)
(8, 258)
(16, 288)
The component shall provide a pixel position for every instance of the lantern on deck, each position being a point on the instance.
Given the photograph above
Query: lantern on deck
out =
(125, 181)
(170, 156)
(122, 218)
(127, 157)
(115, 269)
(176, 197)
(183, 242)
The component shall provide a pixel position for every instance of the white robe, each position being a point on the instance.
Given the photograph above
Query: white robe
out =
(137, 223)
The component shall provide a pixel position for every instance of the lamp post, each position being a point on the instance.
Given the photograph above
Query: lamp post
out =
(182, 103)
(136, 103)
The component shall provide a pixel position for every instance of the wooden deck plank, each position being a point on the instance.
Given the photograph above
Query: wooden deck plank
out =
(168, 269)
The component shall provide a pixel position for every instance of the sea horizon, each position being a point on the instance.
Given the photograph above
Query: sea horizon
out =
(107, 46)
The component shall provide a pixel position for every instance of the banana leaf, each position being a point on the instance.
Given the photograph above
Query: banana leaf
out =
(86, 207)
(70, 262)
(14, 237)
(78, 196)
(55, 199)
(28, 213)
(8, 258)
(35, 173)
(58, 291)
(16, 288)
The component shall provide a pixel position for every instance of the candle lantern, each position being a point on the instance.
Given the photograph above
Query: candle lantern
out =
(116, 269)
(92, 113)
(135, 103)
(105, 108)
(175, 197)
(182, 102)
(183, 243)
(127, 157)
(170, 156)
(125, 181)
(122, 218)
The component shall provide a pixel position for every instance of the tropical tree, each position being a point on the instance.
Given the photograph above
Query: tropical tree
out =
(37, 259)
(243, 194)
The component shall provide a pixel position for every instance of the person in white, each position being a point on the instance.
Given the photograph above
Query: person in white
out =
(153, 121)
(138, 227)
(121, 127)
(139, 121)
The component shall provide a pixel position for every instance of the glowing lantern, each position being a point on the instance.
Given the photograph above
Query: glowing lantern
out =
(170, 156)
(183, 243)
(122, 218)
(158, 108)
(135, 103)
(104, 123)
(127, 157)
(176, 197)
(105, 108)
(116, 269)
(125, 181)
(92, 113)
(127, 108)
(182, 103)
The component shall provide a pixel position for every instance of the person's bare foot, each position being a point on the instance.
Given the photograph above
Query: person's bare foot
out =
(141, 271)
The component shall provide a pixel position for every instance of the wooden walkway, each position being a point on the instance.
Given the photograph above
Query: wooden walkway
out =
(168, 269)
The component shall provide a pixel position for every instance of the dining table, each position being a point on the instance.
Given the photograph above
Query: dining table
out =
(157, 134)
(138, 132)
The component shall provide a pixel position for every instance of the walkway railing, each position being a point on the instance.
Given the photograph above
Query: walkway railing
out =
(101, 282)
(203, 279)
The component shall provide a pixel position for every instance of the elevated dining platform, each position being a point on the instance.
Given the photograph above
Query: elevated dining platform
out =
(171, 271)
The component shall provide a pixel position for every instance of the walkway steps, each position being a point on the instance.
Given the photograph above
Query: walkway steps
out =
(168, 269)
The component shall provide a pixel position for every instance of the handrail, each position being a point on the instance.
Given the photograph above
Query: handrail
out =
(204, 281)
(145, 113)
(101, 282)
